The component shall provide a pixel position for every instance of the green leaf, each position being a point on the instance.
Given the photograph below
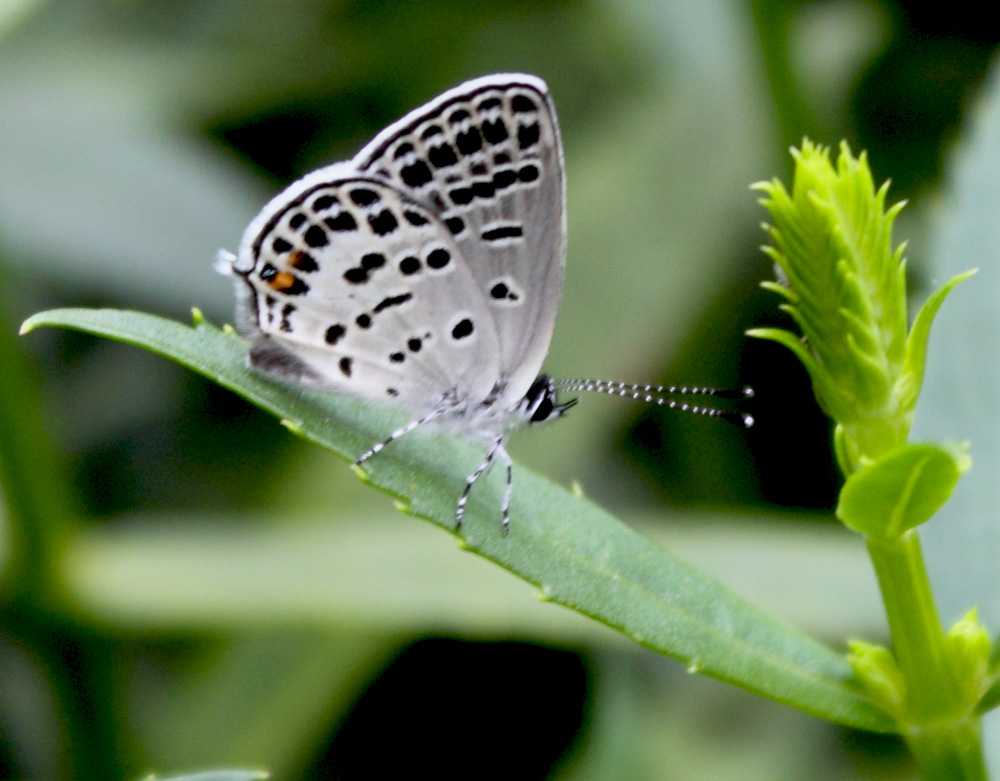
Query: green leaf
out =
(574, 552)
(916, 344)
(901, 489)
(969, 648)
(990, 700)
(879, 675)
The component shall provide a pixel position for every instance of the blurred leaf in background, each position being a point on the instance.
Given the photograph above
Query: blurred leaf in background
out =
(138, 138)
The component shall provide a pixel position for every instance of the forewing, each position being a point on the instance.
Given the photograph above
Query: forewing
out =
(486, 158)
(351, 285)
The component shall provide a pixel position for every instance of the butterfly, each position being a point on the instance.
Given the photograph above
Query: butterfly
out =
(427, 271)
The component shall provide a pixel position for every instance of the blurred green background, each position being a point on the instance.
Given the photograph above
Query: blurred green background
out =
(233, 597)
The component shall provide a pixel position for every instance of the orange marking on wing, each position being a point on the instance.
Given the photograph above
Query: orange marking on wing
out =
(282, 281)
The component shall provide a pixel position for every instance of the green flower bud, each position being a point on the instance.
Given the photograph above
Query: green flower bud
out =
(845, 286)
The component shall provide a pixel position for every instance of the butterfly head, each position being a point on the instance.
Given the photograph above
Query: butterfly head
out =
(541, 402)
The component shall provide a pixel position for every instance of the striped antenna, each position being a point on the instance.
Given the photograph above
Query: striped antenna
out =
(657, 394)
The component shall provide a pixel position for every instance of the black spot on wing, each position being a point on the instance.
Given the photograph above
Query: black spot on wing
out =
(362, 196)
(372, 260)
(462, 329)
(417, 174)
(323, 202)
(504, 178)
(528, 173)
(286, 312)
(438, 258)
(495, 131)
(527, 135)
(334, 334)
(415, 219)
(461, 196)
(484, 189)
(303, 261)
(409, 265)
(442, 156)
(522, 104)
(383, 223)
(391, 301)
(315, 237)
(469, 142)
(342, 223)
(501, 291)
(503, 232)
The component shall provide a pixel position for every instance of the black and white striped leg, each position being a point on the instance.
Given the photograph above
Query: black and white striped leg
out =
(505, 507)
(495, 447)
(399, 432)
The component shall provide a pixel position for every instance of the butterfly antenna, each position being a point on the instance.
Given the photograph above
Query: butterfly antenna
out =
(658, 394)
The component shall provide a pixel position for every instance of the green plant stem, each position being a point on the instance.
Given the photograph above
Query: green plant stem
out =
(951, 751)
(39, 519)
(941, 729)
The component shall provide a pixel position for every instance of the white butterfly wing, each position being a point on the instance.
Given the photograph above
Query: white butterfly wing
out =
(486, 159)
(349, 284)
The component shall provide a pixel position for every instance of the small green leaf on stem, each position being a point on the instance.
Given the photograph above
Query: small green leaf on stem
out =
(881, 679)
(908, 386)
(901, 489)
(969, 649)
(991, 699)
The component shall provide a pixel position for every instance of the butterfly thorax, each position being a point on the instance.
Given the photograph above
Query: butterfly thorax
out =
(496, 415)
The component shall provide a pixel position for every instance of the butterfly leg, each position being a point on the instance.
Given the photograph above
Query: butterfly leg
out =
(505, 507)
(495, 447)
(399, 432)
